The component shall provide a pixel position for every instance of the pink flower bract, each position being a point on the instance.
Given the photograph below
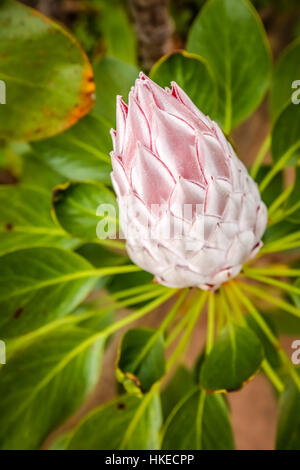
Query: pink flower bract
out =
(168, 156)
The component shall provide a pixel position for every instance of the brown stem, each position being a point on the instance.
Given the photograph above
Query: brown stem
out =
(154, 29)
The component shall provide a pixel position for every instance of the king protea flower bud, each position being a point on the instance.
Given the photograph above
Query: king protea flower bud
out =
(196, 213)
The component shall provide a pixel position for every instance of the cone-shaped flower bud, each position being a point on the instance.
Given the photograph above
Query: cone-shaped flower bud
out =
(189, 211)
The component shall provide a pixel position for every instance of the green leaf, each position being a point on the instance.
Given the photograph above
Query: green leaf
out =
(76, 204)
(199, 421)
(99, 256)
(233, 360)
(10, 158)
(141, 360)
(179, 385)
(293, 203)
(230, 36)
(43, 384)
(192, 74)
(270, 352)
(288, 428)
(60, 443)
(25, 220)
(82, 152)
(124, 423)
(296, 297)
(33, 165)
(279, 230)
(113, 77)
(286, 136)
(40, 284)
(285, 324)
(120, 282)
(118, 33)
(274, 189)
(286, 71)
(54, 85)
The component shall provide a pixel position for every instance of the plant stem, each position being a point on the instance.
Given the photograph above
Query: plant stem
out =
(260, 156)
(225, 305)
(134, 290)
(164, 325)
(210, 322)
(278, 271)
(14, 344)
(221, 316)
(132, 317)
(271, 299)
(155, 387)
(131, 268)
(277, 247)
(136, 299)
(272, 376)
(235, 304)
(279, 201)
(171, 315)
(195, 312)
(274, 282)
(279, 165)
(177, 330)
(268, 332)
(258, 318)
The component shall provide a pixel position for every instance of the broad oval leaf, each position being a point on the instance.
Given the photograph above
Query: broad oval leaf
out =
(270, 352)
(113, 77)
(33, 165)
(286, 136)
(199, 421)
(288, 427)
(141, 360)
(286, 72)
(177, 387)
(82, 152)
(119, 39)
(99, 256)
(53, 88)
(230, 36)
(26, 220)
(40, 284)
(44, 383)
(125, 423)
(76, 204)
(192, 74)
(233, 360)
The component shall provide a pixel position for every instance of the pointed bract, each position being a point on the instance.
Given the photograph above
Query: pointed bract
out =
(189, 210)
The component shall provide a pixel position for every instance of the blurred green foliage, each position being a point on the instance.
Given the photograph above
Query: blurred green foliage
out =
(185, 11)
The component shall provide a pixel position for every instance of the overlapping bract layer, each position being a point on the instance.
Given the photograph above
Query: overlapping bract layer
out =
(196, 214)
